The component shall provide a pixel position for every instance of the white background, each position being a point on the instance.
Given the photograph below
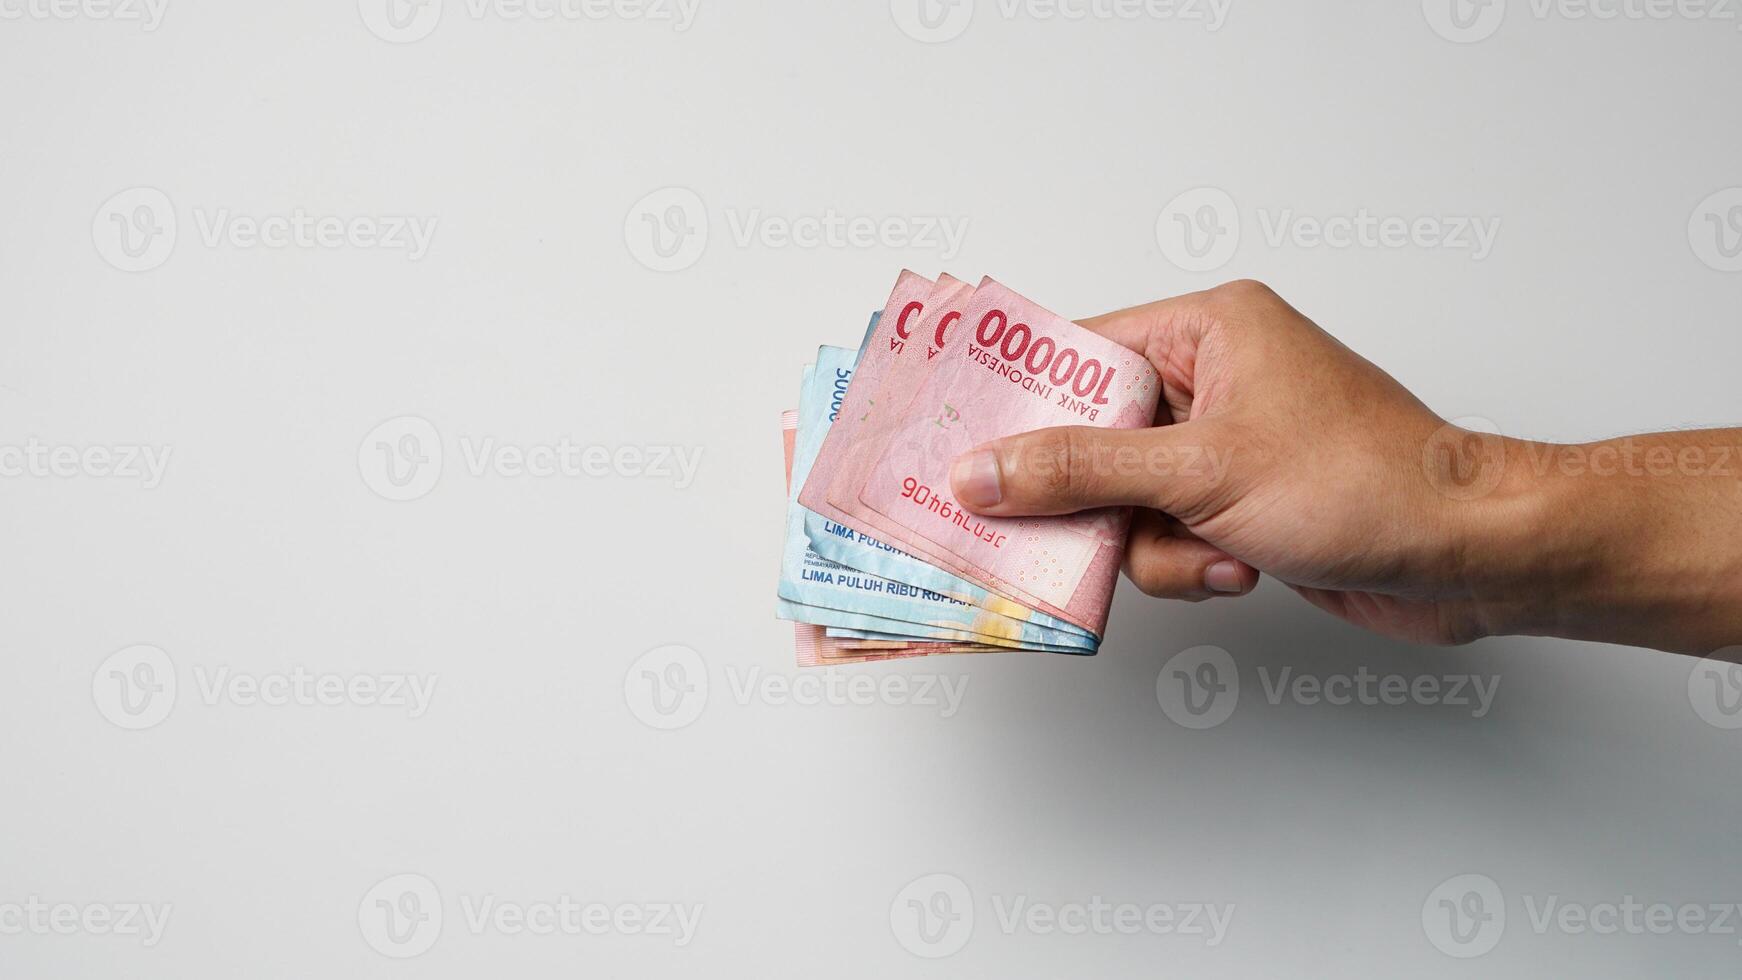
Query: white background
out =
(533, 318)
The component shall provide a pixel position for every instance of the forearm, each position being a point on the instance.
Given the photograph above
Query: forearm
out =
(1635, 540)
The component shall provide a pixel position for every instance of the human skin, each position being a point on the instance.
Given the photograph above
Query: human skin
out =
(1279, 450)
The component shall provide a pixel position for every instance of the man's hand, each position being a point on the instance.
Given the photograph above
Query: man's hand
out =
(1281, 450)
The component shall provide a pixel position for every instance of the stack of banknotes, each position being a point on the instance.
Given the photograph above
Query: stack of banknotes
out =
(881, 561)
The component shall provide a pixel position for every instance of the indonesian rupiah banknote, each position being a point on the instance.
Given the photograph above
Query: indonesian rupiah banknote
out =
(815, 648)
(816, 590)
(880, 560)
(1015, 369)
(902, 342)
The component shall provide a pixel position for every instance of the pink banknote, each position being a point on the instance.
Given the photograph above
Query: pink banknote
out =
(815, 648)
(907, 303)
(901, 380)
(898, 355)
(1009, 366)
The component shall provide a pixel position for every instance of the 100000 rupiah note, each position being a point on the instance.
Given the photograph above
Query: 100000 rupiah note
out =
(1016, 368)
(880, 559)
(816, 590)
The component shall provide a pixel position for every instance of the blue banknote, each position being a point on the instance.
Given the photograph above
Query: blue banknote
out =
(857, 550)
(861, 626)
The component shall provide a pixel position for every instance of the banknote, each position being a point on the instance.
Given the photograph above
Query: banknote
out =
(815, 590)
(823, 593)
(812, 645)
(834, 485)
(872, 640)
(886, 339)
(817, 650)
(907, 335)
(855, 549)
(847, 623)
(939, 327)
(1014, 368)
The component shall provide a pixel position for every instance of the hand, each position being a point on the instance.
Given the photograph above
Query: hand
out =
(1279, 449)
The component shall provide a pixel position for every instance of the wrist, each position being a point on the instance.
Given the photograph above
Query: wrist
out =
(1534, 558)
(1627, 541)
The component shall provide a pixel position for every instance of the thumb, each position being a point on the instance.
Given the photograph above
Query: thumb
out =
(1073, 468)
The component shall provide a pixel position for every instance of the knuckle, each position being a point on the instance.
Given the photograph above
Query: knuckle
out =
(1148, 584)
(1245, 291)
(1152, 577)
(1071, 472)
(1057, 470)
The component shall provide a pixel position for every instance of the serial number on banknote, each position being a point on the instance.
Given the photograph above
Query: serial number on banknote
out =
(935, 503)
